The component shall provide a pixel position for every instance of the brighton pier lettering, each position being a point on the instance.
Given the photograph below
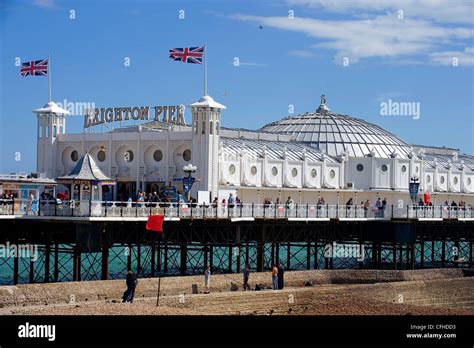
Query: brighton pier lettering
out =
(166, 114)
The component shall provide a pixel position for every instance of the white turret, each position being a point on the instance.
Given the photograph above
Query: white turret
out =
(51, 122)
(206, 122)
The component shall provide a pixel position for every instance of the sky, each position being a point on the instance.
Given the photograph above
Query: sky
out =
(264, 58)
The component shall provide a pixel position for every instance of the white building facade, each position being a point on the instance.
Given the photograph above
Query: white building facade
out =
(306, 157)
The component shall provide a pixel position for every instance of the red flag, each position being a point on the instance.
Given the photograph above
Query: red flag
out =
(155, 223)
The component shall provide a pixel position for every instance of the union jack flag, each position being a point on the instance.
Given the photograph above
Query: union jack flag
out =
(187, 55)
(36, 67)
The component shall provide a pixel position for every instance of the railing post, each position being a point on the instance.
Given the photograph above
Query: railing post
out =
(307, 210)
(241, 205)
(136, 209)
(337, 211)
(177, 207)
(13, 205)
(121, 209)
(55, 207)
(252, 208)
(327, 210)
(296, 215)
(105, 208)
(72, 207)
(264, 210)
(391, 218)
(39, 207)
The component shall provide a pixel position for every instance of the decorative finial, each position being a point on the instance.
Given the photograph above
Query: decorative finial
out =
(323, 108)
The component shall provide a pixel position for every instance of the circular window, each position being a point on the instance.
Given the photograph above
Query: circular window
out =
(313, 173)
(253, 170)
(428, 179)
(332, 174)
(274, 171)
(455, 180)
(469, 181)
(128, 156)
(101, 156)
(157, 155)
(74, 156)
(187, 155)
(441, 180)
(232, 169)
(384, 168)
(404, 169)
(294, 172)
(360, 167)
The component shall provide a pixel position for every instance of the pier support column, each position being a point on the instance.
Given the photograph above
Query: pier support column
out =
(413, 256)
(401, 256)
(231, 252)
(32, 271)
(394, 252)
(273, 253)
(184, 257)
(206, 256)
(238, 248)
(443, 253)
(374, 254)
(15, 268)
(105, 262)
(158, 257)
(56, 262)
(247, 257)
(129, 257)
(316, 266)
(277, 252)
(422, 256)
(261, 251)
(152, 259)
(139, 259)
(77, 265)
(433, 254)
(165, 260)
(470, 254)
(211, 258)
(47, 257)
(308, 256)
(288, 257)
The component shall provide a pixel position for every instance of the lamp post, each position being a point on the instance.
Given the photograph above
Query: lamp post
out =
(413, 188)
(188, 181)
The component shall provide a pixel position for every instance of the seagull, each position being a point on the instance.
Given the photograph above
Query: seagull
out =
(226, 94)
(260, 26)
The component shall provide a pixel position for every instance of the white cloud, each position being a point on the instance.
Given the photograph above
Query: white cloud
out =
(449, 11)
(381, 36)
(44, 3)
(301, 53)
(461, 58)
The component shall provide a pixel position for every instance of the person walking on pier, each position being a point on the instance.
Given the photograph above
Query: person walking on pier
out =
(281, 272)
(207, 279)
(246, 277)
(274, 277)
(131, 281)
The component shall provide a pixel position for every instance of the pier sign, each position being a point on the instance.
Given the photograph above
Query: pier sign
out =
(172, 114)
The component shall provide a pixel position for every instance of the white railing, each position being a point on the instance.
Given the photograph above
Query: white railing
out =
(246, 210)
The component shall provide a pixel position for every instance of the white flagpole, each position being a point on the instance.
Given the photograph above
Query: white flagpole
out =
(49, 76)
(205, 70)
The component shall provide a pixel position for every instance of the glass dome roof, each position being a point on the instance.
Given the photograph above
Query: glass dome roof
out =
(335, 133)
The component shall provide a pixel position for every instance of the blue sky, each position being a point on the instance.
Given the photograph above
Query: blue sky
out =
(296, 56)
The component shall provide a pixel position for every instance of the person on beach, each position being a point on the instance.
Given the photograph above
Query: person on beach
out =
(131, 281)
(281, 272)
(246, 277)
(207, 279)
(274, 277)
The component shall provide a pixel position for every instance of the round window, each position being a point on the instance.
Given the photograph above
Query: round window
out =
(313, 173)
(428, 179)
(294, 172)
(404, 169)
(360, 167)
(274, 171)
(101, 156)
(384, 168)
(232, 169)
(441, 180)
(332, 174)
(157, 155)
(455, 180)
(128, 156)
(253, 170)
(74, 156)
(187, 155)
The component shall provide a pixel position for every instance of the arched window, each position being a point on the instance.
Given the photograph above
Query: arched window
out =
(46, 131)
(203, 127)
(211, 130)
(40, 131)
(217, 128)
(54, 131)
(196, 127)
